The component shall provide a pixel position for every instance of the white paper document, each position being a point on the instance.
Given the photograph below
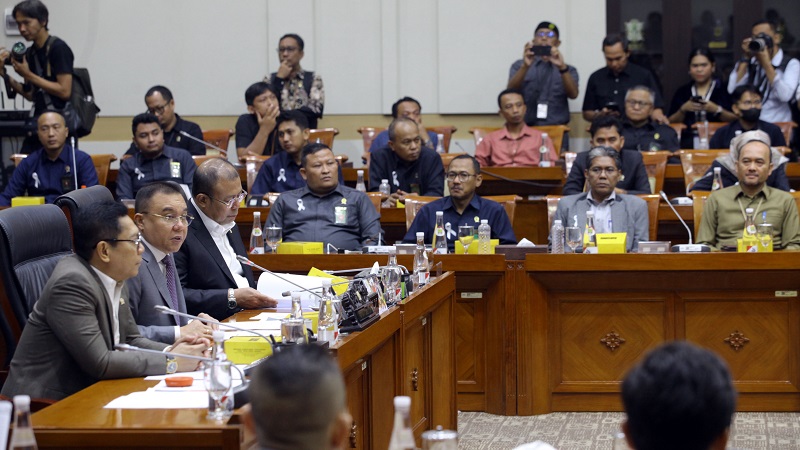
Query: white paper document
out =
(274, 287)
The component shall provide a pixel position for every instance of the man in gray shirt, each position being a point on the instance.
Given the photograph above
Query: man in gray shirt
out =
(323, 210)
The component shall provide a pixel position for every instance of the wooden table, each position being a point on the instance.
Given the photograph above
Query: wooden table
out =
(410, 351)
(584, 320)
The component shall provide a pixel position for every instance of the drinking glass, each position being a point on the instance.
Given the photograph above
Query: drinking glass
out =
(574, 237)
(218, 381)
(466, 234)
(274, 236)
(764, 234)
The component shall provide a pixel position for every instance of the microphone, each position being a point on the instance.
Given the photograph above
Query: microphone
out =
(221, 151)
(74, 162)
(685, 248)
(133, 348)
(690, 185)
(164, 310)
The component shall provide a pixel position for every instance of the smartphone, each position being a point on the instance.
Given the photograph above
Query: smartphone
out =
(612, 106)
(698, 99)
(541, 50)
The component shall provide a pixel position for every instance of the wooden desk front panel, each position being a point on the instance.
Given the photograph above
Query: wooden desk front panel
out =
(593, 317)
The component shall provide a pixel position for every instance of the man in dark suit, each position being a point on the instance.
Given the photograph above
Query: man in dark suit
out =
(606, 131)
(163, 218)
(213, 280)
(69, 340)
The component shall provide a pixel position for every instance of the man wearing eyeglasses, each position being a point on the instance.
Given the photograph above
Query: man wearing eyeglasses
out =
(298, 89)
(641, 132)
(747, 106)
(50, 171)
(406, 163)
(613, 213)
(545, 79)
(462, 207)
(154, 161)
(160, 103)
(163, 219)
(82, 314)
(213, 280)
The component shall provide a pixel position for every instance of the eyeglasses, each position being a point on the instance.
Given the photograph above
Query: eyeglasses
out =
(158, 109)
(137, 242)
(545, 34)
(184, 219)
(750, 103)
(607, 170)
(233, 201)
(462, 176)
(638, 103)
(287, 49)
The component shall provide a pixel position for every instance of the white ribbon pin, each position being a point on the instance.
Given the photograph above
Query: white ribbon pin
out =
(139, 174)
(449, 230)
(394, 179)
(35, 177)
(282, 175)
(300, 206)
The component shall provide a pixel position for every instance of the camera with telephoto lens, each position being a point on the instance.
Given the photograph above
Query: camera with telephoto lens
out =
(17, 52)
(760, 42)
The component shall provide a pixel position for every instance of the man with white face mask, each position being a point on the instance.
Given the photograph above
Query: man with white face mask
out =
(747, 104)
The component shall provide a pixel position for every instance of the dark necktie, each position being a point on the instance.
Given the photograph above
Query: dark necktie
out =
(169, 263)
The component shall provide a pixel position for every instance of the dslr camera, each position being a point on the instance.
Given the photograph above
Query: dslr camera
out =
(760, 42)
(17, 52)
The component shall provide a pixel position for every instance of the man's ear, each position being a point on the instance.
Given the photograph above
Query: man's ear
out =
(251, 109)
(478, 180)
(303, 173)
(138, 219)
(340, 430)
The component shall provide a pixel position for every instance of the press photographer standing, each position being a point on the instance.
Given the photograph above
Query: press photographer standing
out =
(46, 67)
(765, 66)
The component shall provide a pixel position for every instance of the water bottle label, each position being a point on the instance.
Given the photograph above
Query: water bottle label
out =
(257, 251)
(256, 232)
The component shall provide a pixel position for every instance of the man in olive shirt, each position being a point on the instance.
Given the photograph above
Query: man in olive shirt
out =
(724, 212)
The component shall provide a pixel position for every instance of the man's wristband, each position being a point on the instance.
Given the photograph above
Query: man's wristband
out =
(565, 70)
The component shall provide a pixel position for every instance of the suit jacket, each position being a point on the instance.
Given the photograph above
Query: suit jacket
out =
(628, 214)
(635, 181)
(204, 275)
(149, 289)
(68, 342)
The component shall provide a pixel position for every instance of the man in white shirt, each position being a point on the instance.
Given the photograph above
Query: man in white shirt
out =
(213, 280)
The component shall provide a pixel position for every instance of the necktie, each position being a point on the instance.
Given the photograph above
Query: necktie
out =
(169, 263)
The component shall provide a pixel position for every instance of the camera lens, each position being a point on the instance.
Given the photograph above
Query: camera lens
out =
(756, 45)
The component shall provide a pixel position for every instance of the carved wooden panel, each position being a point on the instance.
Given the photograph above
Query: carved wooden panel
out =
(591, 331)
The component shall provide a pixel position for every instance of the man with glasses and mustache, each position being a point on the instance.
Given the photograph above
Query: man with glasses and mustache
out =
(213, 280)
(613, 213)
(161, 104)
(163, 219)
(153, 161)
(69, 341)
(641, 132)
(462, 207)
(298, 89)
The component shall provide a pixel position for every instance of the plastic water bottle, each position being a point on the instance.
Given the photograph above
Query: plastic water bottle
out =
(385, 191)
(391, 278)
(439, 235)
(421, 269)
(22, 437)
(440, 143)
(557, 237)
(360, 186)
(717, 184)
(702, 130)
(544, 153)
(484, 238)
(749, 224)
(257, 235)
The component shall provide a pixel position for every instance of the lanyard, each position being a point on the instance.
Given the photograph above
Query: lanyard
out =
(744, 214)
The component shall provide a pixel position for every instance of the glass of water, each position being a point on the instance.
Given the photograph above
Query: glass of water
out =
(218, 382)
(274, 237)
(574, 237)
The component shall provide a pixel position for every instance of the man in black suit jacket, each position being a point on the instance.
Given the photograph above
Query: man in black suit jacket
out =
(606, 131)
(213, 280)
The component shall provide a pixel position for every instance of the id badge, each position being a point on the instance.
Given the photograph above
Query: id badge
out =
(175, 169)
(541, 111)
(340, 213)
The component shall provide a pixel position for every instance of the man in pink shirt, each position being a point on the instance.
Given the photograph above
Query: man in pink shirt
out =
(516, 144)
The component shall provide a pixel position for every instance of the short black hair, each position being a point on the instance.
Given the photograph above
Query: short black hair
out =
(96, 222)
(475, 164)
(310, 149)
(300, 43)
(701, 51)
(396, 105)
(737, 93)
(605, 121)
(282, 391)
(144, 118)
(256, 89)
(508, 91)
(393, 126)
(147, 192)
(679, 396)
(209, 173)
(295, 116)
(614, 39)
(166, 93)
(33, 9)
(772, 24)
(599, 152)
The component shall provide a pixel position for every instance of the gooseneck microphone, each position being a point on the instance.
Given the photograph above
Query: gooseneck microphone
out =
(209, 144)
(685, 248)
(247, 262)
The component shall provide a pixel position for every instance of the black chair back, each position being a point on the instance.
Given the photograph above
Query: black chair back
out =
(72, 201)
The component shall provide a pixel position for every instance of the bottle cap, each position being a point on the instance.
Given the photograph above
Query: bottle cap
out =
(384, 180)
(589, 214)
(392, 250)
(218, 335)
(717, 169)
(557, 221)
(486, 221)
(439, 213)
(544, 135)
(420, 234)
(256, 214)
(25, 401)
(748, 210)
(295, 295)
(326, 282)
(360, 172)
(402, 402)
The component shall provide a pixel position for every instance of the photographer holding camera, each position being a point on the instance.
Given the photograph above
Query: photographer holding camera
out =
(773, 73)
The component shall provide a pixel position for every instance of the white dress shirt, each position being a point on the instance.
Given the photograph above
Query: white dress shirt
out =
(114, 291)
(219, 233)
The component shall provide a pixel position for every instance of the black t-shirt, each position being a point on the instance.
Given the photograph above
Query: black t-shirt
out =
(246, 130)
(604, 87)
(60, 60)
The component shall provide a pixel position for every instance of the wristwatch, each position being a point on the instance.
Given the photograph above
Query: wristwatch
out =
(232, 300)
(172, 365)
